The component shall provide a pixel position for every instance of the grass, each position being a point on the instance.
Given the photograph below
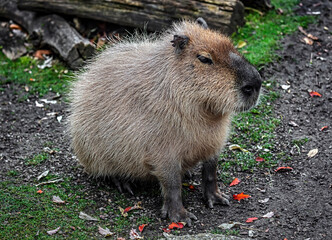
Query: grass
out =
(25, 72)
(262, 33)
(37, 159)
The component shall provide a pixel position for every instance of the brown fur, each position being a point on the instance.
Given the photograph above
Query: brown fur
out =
(141, 111)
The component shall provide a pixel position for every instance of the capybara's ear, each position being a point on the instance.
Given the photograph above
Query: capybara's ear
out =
(200, 21)
(179, 42)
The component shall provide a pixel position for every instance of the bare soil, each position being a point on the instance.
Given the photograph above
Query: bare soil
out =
(300, 199)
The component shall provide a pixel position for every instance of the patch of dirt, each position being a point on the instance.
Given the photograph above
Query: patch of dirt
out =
(300, 199)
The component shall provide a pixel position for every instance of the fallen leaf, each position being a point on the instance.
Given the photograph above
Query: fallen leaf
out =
(314, 94)
(312, 153)
(124, 212)
(85, 216)
(285, 87)
(15, 26)
(26, 88)
(57, 199)
(235, 182)
(141, 227)
(191, 187)
(309, 35)
(264, 200)
(44, 174)
(51, 232)
(32, 79)
(324, 128)
(40, 191)
(39, 104)
(249, 220)
(48, 101)
(268, 215)
(231, 225)
(240, 196)
(39, 53)
(237, 147)
(283, 169)
(105, 232)
(292, 123)
(134, 234)
(307, 41)
(241, 44)
(175, 225)
(166, 230)
(260, 159)
(59, 119)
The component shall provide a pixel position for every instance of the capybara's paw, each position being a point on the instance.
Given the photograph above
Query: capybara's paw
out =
(176, 215)
(216, 197)
(122, 185)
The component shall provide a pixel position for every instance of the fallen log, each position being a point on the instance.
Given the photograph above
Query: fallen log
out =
(224, 15)
(264, 5)
(52, 31)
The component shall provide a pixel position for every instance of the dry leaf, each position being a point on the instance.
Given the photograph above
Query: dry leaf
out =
(312, 152)
(235, 182)
(314, 94)
(15, 26)
(308, 34)
(231, 225)
(285, 87)
(105, 232)
(240, 196)
(134, 234)
(283, 169)
(268, 215)
(307, 41)
(40, 191)
(237, 147)
(292, 123)
(176, 225)
(39, 53)
(141, 227)
(51, 232)
(264, 200)
(241, 44)
(324, 128)
(57, 199)
(249, 220)
(124, 212)
(44, 174)
(260, 159)
(85, 216)
(39, 104)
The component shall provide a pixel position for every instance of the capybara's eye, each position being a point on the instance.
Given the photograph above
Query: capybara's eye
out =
(205, 60)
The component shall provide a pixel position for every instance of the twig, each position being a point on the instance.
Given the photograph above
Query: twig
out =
(48, 182)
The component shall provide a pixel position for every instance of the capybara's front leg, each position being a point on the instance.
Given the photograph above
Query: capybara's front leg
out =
(170, 181)
(211, 191)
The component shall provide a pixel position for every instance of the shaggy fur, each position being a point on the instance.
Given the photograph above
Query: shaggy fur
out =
(141, 110)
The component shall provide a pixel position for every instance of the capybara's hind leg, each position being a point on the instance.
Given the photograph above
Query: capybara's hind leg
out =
(122, 184)
(211, 192)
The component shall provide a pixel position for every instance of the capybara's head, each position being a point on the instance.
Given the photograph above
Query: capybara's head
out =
(222, 78)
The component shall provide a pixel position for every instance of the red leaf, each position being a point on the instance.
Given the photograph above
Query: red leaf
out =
(260, 159)
(141, 227)
(40, 191)
(235, 182)
(127, 209)
(324, 128)
(283, 169)
(249, 220)
(313, 93)
(175, 225)
(166, 230)
(191, 187)
(240, 196)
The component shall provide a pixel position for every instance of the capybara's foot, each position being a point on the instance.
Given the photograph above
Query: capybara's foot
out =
(122, 185)
(177, 214)
(216, 197)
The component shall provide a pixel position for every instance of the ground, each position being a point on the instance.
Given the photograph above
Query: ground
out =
(34, 139)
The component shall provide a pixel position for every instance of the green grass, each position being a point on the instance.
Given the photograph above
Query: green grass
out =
(24, 71)
(37, 159)
(262, 33)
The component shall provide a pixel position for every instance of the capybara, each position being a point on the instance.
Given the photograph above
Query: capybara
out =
(154, 107)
